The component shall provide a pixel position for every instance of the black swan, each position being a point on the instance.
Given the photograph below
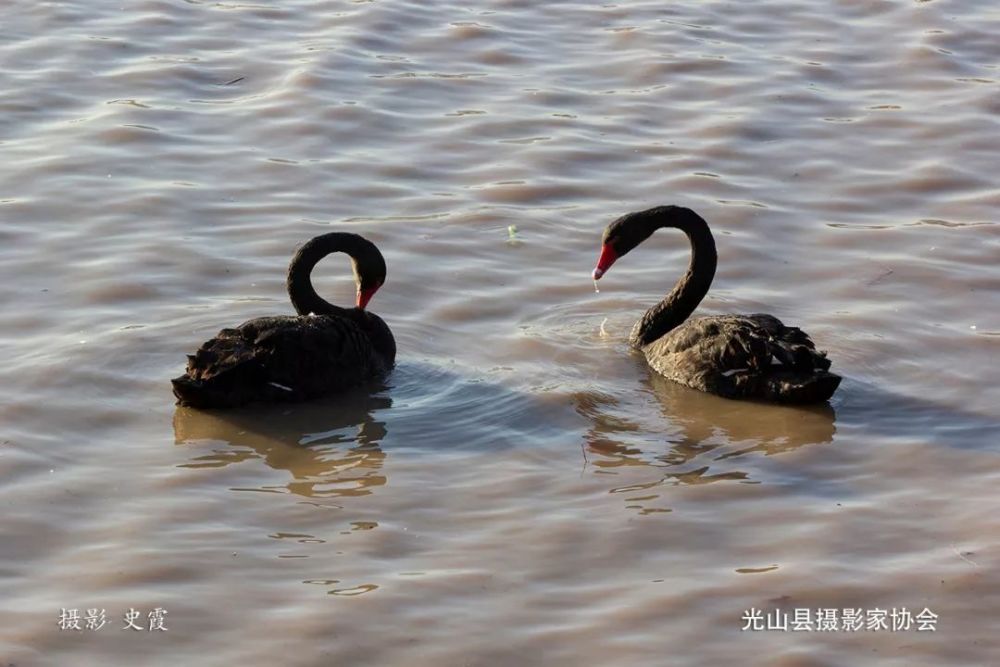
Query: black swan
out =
(324, 349)
(735, 356)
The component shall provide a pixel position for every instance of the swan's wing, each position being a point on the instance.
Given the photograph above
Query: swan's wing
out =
(278, 358)
(781, 345)
(741, 356)
(318, 354)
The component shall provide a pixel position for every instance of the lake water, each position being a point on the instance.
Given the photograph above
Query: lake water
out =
(521, 490)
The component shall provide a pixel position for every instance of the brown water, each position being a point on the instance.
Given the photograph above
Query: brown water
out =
(521, 491)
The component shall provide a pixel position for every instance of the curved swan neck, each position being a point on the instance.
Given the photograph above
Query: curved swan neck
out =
(303, 295)
(692, 287)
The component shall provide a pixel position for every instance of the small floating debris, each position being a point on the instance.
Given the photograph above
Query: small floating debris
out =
(512, 237)
(280, 386)
(964, 555)
(604, 333)
(973, 327)
(756, 570)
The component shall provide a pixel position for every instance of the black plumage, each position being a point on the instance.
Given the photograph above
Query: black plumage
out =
(325, 349)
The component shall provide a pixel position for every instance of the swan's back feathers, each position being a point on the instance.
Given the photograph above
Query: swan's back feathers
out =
(275, 359)
(744, 356)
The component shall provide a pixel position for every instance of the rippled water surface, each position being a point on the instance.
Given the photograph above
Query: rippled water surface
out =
(520, 490)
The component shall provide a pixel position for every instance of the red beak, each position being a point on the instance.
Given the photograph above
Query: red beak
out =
(365, 295)
(608, 257)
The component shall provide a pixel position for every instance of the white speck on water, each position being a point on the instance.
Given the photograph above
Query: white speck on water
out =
(973, 327)
(603, 332)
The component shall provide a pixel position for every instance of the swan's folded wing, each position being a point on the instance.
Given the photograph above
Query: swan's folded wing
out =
(742, 356)
(278, 359)
(320, 355)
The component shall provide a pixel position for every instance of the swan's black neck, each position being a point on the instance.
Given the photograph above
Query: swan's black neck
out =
(682, 300)
(304, 298)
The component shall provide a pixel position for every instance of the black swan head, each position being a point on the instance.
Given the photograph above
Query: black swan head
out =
(366, 260)
(628, 231)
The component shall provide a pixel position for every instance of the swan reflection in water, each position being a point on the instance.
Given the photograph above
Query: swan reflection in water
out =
(696, 438)
(329, 447)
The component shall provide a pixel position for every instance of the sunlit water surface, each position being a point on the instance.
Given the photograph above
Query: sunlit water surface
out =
(520, 490)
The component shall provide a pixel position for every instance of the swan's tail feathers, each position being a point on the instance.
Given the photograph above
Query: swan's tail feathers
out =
(190, 392)
(795, 387)
(202, 394)
(232, 386)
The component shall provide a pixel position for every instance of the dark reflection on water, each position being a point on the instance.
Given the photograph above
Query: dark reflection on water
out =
(337, 446)
(697, 438)
(693, 438)
(330, 447)
(759, 427)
